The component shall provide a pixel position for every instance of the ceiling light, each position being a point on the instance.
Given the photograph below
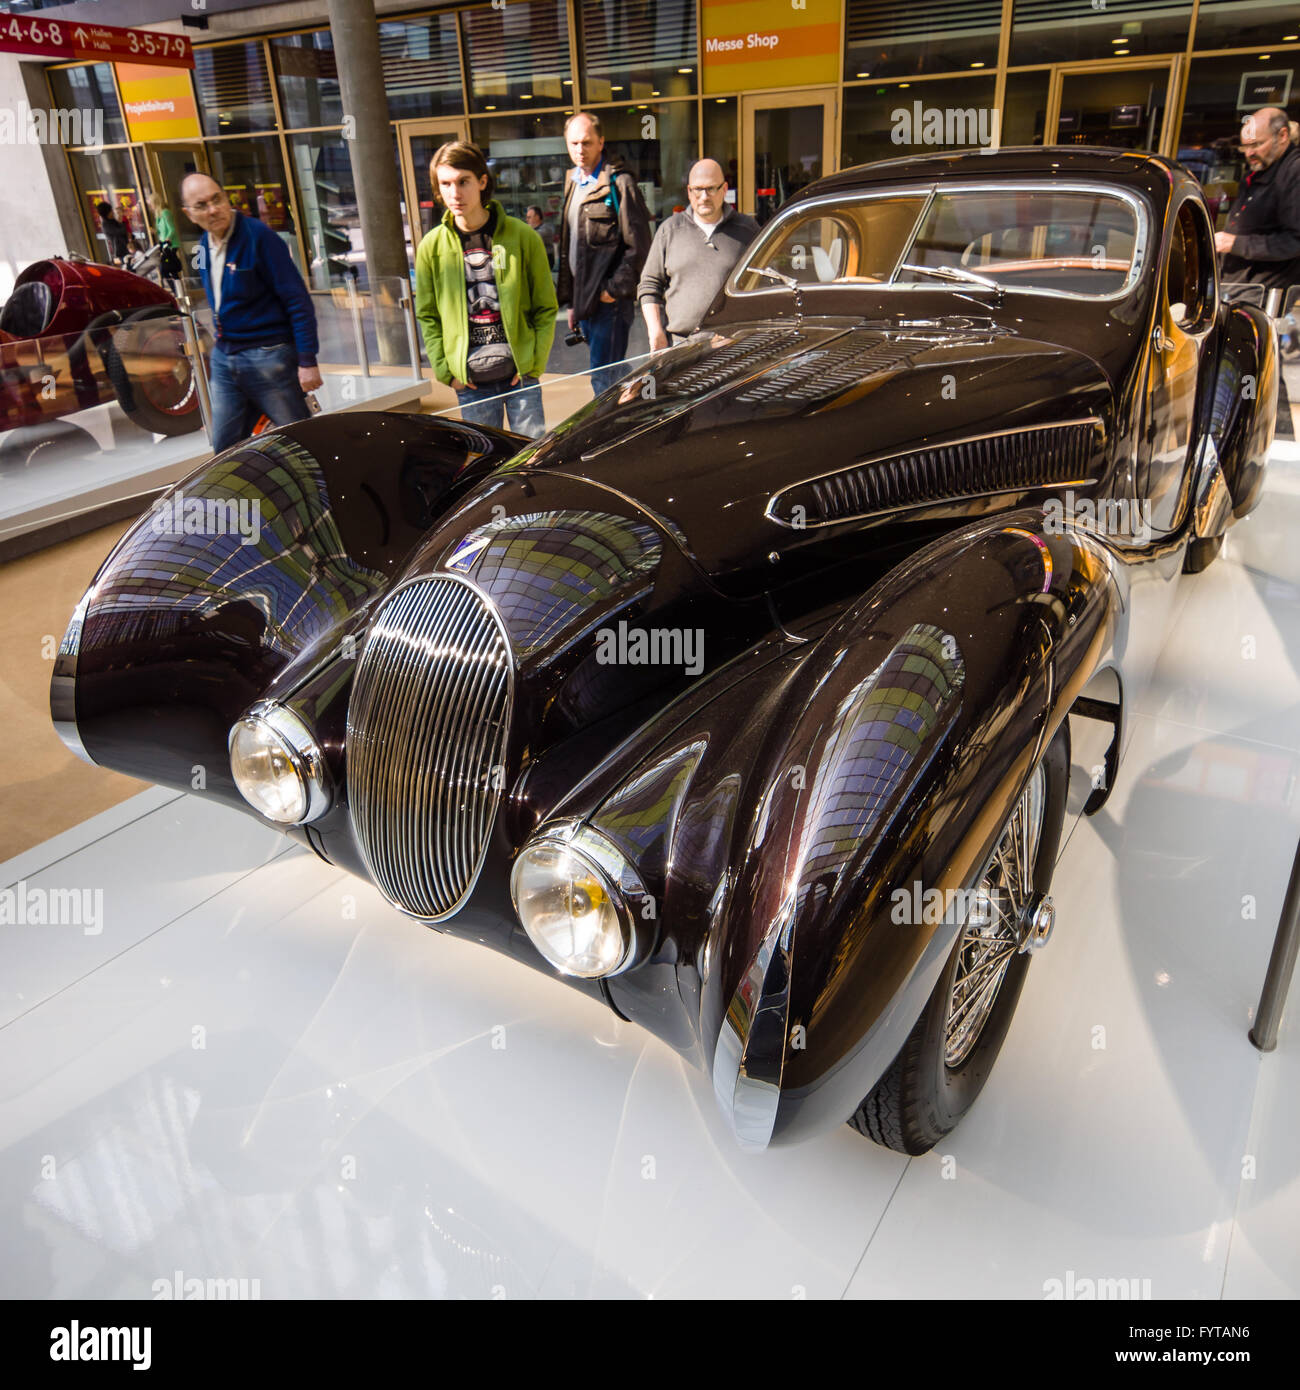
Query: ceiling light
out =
(1119, 40)
(977, 65)
(722, 101)
(862, 74)
(616, 89)
(1290, 38)
(685, 69)
(1121, 52)
(901, 85)
(1262, 56)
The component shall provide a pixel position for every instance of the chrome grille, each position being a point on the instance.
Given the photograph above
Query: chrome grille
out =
(426, 740)
(1017, 461)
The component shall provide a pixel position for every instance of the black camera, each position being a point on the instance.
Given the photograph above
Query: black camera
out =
(574, 338)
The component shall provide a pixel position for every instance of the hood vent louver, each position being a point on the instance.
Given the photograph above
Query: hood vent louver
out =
(1014, 461)
(827, 371)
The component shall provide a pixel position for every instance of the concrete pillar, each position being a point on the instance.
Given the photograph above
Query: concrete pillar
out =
(355, 31)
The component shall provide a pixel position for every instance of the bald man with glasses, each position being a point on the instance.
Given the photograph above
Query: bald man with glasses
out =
(1261, 240)
(691, 256)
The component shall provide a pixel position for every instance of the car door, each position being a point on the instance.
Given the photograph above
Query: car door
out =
(1178, 351)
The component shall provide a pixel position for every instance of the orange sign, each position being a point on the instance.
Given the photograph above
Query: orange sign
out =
(769, 43)
(159, 103)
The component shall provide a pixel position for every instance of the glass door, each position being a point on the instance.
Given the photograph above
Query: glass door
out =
(1120, 105)
(785, 143)
(168, 164)
(417, 141)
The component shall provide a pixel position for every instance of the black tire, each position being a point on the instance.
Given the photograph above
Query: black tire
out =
(921, 1097)
(132, 394)
(1201, 553)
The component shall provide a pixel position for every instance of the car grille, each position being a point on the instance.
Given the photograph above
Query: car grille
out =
(1017, 461)
(426, 740)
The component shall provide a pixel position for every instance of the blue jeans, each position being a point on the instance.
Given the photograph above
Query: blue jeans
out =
(257, 381)
(607, 331)
(488, 405)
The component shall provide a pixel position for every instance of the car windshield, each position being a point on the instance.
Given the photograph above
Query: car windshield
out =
(1073, 242)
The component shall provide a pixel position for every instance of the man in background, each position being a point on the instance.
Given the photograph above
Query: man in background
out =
(604, 240)
(1261, 239)
(116, 234)
(264, 358)
(691, 256)
(544, 228)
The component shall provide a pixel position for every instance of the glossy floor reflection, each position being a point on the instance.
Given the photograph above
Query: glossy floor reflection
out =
(258, 1071)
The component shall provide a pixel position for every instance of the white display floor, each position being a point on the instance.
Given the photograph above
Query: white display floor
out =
(258, 1070)
(68, 478)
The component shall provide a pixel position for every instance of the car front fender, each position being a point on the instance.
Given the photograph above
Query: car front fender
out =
(913, 727)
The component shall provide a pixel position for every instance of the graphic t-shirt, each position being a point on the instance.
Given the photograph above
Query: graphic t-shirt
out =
(490, 359)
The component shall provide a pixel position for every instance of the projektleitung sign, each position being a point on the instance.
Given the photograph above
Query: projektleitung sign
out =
(64, 42)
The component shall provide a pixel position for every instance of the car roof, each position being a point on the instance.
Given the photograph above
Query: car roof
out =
(1151, 174)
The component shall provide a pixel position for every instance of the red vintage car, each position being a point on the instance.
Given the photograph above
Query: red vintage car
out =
(74, 334)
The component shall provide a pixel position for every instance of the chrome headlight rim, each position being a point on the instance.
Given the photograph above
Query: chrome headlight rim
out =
(306, 758)
(622, 883)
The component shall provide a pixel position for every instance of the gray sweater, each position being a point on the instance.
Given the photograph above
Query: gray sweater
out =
(684, 269)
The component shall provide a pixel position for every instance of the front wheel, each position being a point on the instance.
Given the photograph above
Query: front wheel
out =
(950, 1052)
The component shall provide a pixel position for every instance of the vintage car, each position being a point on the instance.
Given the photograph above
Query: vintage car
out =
(74, 334)
(739, 701)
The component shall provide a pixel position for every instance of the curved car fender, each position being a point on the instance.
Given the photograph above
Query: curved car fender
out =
(1244, 409)
(244, 578)
(913, 727)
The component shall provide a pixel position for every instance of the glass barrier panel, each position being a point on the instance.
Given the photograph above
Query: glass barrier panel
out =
(534, 410)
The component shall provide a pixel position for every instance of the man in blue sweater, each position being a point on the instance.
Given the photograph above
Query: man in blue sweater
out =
(265, 353)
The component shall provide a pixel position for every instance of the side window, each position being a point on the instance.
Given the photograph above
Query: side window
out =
(1190, 278)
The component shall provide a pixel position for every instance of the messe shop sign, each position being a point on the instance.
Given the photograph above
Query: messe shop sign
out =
(769, 43)
(101, 43)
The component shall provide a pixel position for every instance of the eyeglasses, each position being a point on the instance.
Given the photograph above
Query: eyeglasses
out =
(704, 188)
(208, 205)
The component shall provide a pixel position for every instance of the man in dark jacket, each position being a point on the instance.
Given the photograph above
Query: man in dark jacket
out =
(116, 233)
(604, 240)
(265, 353)
(1261, 242)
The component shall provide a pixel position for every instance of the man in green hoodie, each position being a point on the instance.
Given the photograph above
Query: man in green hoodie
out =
(484, 297)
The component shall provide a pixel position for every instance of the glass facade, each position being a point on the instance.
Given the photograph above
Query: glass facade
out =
(933, 75)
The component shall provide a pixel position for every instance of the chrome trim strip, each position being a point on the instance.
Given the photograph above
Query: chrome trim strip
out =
(427, 730)
(1212, 504)
(931, 190)
(748, 1086)
(63, 683)
(768, 511)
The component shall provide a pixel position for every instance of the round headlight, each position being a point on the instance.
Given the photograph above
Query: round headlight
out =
(572, 911)
(278, 766)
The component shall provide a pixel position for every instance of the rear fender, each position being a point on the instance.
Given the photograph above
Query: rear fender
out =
(1244, 409)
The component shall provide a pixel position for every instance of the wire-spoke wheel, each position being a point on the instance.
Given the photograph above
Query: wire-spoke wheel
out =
(943, 1065)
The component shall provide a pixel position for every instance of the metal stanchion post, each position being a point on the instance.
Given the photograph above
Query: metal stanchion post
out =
(195, 353)
(412, 332)
(358, 327)
(1281, 966)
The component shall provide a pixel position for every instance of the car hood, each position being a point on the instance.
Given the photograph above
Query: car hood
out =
(705, 436)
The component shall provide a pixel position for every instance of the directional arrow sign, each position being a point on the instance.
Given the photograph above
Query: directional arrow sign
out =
(47, 38)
